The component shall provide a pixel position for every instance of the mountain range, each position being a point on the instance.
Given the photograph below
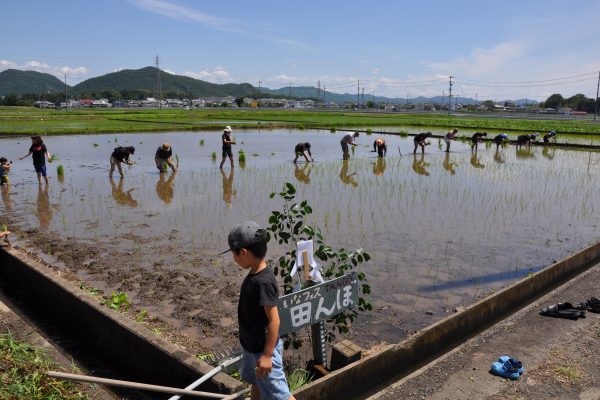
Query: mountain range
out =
(13, 81)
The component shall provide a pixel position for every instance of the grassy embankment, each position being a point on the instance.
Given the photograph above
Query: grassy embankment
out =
(27, 121)
(22, 374)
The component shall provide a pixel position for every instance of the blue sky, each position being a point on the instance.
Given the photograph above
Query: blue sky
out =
(392, 47)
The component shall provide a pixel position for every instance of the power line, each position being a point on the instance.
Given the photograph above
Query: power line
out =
(529, 86)
(516, 82)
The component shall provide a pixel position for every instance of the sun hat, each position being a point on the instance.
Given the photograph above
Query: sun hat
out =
(227, 129)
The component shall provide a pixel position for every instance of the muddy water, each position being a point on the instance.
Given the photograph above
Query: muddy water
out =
(443, 229)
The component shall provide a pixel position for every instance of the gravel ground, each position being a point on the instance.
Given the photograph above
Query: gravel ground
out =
(561, 356)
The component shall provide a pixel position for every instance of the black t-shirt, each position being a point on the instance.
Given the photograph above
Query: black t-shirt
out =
(163, 154)
(476, 137)
(121, 154)
(258, 290)
(38, 153)
(301, 148)
(420, 137)
(226, 137)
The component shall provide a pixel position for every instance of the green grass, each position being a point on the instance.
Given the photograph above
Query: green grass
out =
(27, 121)
(22, 368)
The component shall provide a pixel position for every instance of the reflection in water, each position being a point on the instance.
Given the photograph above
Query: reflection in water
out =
(419, 166)
(6, 197)
(525, 153)
(449, 165)
(121, 197)
(346, 178)
(303, 174)
(499, 157)
(548, 153)
(475, 161)
(227, 186)
(44, 213)
(164, 188)
(379, 166)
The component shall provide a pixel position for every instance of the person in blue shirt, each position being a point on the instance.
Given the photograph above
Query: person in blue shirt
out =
(499, 139)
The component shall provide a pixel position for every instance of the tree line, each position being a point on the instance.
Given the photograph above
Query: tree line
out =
(578, 102)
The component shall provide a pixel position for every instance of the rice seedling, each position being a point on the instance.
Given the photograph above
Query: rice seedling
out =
(201, 142)
(332, 129)
(254, 154)
(213, 156)
(242, 156)
(60, 170)
(298, 378)
(96, 145)
(369, 131)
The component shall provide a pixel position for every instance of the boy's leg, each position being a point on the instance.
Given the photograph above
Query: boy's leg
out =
(112, 167)
(171, 164)
(120, 168)
(254, 393)
(305, 157)
(296, 158)
(231, 160)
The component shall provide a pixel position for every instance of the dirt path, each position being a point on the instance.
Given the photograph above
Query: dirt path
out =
(561, 356)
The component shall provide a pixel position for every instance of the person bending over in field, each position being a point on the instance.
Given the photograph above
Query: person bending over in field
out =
(226, 149)
(499, 139)
(163, 157)
(348, 140)
(301, 149)
(380, 147)
(421, 140)
(476, 139)
(526, 139)
(39, 154)
(119, 156)
(550, 135)
(449, 137)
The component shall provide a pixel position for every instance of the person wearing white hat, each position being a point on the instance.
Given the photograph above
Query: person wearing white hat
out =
(227, 142)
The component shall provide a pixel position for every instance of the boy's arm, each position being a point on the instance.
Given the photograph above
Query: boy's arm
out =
(265, 362)
(26, 155)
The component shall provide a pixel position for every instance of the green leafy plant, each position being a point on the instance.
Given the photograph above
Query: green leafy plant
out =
(119, 301)
(332, 129)
(369, 131)
(205, 356)
(142, 315)
(298, 378)
(213, 156)
(96, 145)
(242, 156)
(53, 158)
(288, 227)
(201, 142)
(60, 170)
(403, 134)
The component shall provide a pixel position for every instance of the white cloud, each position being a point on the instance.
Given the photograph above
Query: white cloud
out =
(73, 73)
(186, 14)
(216, 75)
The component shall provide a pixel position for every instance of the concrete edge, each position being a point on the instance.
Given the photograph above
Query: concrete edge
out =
(108, 334)
(397, 360)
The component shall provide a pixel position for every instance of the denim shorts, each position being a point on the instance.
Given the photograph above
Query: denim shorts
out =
(273, 386)
(40, 169)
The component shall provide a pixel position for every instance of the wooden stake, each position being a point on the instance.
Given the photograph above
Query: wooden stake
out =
(135, 385)
(306, 266)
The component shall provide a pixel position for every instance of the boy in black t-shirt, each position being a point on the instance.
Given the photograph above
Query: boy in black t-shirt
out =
(39, 154)
(421, 140)
(118, 156)
(227, 142)
(301, 149)
(258, 317)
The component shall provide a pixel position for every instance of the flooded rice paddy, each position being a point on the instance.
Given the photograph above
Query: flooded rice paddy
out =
(443, 229)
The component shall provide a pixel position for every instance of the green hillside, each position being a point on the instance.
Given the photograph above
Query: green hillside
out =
(145, 79)
(14, 81)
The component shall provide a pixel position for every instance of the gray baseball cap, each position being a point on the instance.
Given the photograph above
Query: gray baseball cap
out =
(245, 235)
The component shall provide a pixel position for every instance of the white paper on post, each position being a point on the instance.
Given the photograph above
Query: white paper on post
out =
(306, 245)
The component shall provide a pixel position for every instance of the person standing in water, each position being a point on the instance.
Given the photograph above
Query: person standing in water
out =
(226, 149)
(348, 140)
(449, 137)
(476, 139)
(301, 149)
(380, 147)
(499, 139)
(163, 156)
(39, 154)
(420, 140)
(120, 155)
(548, 136)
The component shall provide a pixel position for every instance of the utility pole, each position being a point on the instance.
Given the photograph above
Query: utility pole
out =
(597, 90)
(290, 95)
(319, 90)
(324, 99)
(358, 93)
(259, 82)
(373, 99)
(407, 101)
(66, 101)
(450, 97)
(476, 101)
(363, 95)
(157, 59)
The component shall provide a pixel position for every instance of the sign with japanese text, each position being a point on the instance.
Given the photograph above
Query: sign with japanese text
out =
(317, 303)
